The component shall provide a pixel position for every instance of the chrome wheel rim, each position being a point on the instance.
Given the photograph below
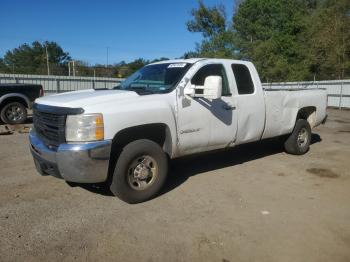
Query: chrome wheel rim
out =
(302, 137)
(142, 172)
(14, 113)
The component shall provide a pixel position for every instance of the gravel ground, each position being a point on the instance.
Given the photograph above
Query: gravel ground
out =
(252, 203)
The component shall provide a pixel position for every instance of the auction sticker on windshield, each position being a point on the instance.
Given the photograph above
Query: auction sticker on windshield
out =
(177, 65)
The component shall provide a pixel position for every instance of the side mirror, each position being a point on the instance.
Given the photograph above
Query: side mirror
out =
(211, 90)
(212, 87)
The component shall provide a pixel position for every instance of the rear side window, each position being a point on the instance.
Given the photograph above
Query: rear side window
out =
(243, 79)
(212, 70)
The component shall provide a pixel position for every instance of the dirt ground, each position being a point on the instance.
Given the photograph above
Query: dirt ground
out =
(252, 203)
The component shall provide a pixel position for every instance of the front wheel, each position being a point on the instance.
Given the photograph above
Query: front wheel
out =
(140, 171)
(14, 113)
(298, 142)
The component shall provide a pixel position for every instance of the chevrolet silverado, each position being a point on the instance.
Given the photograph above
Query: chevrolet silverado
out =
(126, 136)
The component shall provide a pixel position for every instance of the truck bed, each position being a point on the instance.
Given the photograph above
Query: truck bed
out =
(283, 105)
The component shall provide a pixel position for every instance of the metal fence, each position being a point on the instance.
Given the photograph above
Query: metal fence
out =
(59, 84)
(338, 90)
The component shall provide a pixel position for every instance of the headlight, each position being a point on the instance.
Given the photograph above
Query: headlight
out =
(83, 128)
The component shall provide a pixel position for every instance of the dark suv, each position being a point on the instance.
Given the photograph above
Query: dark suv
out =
(15, 99)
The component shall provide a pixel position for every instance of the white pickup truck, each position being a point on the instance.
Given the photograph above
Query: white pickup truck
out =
(125, 136)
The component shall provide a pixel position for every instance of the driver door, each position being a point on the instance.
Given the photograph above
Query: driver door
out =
(205, 124)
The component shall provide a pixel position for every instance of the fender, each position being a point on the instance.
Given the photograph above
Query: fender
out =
(17, 95)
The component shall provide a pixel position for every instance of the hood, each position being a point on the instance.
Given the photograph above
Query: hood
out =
(85, 98)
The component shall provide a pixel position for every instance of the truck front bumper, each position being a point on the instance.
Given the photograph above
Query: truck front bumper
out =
(78, 162)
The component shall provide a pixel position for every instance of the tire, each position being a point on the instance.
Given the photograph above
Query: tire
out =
(71, 184)
(298, 142)
(140, 172)
(14, 113)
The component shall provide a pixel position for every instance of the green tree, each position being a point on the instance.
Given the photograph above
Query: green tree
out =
(31, 59)
(3, 67)
(159, 59)
(329, 40)
(288, 40)
(217, 35)
(208, 20)
(190, 54)
(268, 33)
(137, 64)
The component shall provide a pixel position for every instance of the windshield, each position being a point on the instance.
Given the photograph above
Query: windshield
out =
(157, 78)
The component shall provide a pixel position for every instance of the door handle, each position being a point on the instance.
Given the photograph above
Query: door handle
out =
(229, 107)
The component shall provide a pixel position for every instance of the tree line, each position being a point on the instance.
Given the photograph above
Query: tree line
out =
(49, 57)
(287, 40)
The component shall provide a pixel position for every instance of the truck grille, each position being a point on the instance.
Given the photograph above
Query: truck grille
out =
(50, 127)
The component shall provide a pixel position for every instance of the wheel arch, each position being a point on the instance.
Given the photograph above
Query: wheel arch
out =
(309, 114)
(14, 97)
(156, 132)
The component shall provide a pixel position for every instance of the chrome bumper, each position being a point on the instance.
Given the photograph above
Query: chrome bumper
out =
(79, 162)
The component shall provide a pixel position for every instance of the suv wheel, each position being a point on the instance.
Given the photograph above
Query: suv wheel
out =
(140, 171)
(14, 113)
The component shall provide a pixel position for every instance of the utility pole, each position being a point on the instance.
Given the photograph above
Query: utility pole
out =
(73, 67)
(47, 61)
(107, 56)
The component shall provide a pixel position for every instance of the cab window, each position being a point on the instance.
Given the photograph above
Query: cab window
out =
(212, 70)
(243, 78)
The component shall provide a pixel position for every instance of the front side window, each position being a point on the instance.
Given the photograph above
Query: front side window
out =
(243, 79)
(157, 78)
(212, 70)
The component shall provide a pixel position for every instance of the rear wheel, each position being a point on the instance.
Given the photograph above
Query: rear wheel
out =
(72, 184)
(140, 171)
(14, 113)
(298, 142)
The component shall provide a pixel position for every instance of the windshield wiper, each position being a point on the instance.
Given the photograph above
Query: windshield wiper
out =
(137, 89)
(140, 90)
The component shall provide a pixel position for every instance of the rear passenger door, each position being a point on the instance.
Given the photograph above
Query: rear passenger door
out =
(250, 103)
